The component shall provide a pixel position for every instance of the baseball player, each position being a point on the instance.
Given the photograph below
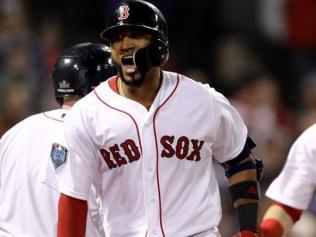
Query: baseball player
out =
(146, 140)
(28, 208)
(293, 189)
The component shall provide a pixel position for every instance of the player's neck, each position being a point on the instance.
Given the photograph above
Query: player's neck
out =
(146, 93)
(69, 102)
(66, 107)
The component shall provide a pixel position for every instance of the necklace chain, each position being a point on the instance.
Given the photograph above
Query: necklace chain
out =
(121, 89)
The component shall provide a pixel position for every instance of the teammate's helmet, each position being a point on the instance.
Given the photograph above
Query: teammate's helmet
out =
(142, 15)
(81, 68)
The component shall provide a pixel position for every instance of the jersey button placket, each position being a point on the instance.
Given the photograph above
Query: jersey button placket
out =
(150, 182)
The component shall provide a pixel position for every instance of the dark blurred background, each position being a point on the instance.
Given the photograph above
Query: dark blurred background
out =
(261, 54)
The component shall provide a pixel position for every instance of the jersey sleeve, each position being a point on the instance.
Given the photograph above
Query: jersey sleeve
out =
(75, 177)
(94, 218)
(229, 130)
(296, 183)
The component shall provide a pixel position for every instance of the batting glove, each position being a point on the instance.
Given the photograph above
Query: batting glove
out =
(247, 233)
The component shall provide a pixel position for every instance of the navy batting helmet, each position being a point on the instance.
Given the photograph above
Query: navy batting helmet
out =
(81, 68)
(141, 15)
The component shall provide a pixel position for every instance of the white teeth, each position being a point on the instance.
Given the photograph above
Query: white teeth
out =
(129, 68)
(128, 65)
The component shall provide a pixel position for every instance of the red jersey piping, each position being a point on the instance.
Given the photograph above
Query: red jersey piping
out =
(157, 156)
(113, 86)
(124, 112)
(47, 116)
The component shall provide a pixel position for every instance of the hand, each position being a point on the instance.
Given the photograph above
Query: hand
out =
(247, 233)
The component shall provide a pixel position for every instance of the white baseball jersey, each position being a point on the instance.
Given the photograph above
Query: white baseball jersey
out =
(28, 208)
(296, 183)
(153, 168)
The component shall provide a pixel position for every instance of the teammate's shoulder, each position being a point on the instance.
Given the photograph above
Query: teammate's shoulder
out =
(57, 115)
(12, 131)
(304, 140)
(24, 124)
(309, 133)
(30, 119)
(312, 128)
(41, 120)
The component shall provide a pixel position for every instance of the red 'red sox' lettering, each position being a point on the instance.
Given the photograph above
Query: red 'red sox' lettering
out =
(130, 149)
(114, 157)
(181, 148)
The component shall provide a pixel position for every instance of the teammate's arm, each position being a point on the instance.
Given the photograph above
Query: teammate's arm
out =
(279, 220)
(72, 217)
(243, 174)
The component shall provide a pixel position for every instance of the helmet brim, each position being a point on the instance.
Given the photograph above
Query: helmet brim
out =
(110, 32)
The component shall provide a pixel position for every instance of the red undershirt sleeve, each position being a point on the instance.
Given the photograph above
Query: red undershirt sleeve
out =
(277, 224)
(72, 217)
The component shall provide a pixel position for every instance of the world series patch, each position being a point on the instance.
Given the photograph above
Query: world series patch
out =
(58, 155)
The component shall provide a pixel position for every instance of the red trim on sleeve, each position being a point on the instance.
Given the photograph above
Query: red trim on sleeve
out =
(295, 214)
(72, 217)
(271, 228)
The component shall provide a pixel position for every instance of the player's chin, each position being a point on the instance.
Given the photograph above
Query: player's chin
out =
(132, 79)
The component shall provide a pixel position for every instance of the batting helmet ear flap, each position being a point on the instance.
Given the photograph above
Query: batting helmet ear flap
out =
(155, 54)
(160, 52)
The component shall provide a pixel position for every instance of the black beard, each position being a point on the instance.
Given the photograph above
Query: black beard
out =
(134, 82)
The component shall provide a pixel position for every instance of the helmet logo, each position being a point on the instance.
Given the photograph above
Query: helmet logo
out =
(63, 84)
(124, 12)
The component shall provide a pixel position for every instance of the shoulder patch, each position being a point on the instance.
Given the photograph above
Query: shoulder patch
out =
(58, 155)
